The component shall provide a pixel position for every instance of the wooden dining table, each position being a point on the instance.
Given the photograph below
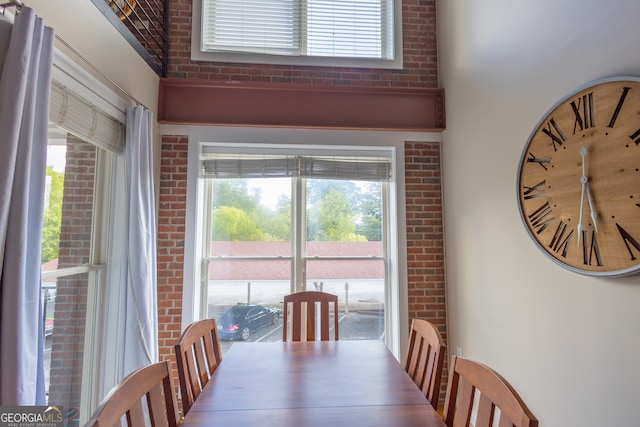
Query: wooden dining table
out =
(308, 384)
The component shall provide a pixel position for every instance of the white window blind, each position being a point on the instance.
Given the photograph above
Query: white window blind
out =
(330, 28)
(78, 116)
(318, 167)
(259, 26)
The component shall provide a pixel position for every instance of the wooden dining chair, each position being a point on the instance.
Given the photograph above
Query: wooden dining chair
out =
(425, 358)
(143, 398)
(307, 312)
(198, 355)
(497, 404)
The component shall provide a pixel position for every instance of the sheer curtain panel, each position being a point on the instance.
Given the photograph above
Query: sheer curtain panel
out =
(25, 85)
(141, 325)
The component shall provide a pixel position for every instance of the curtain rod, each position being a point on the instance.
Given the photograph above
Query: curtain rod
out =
(11, 3)
(18, 4)
(97, 70)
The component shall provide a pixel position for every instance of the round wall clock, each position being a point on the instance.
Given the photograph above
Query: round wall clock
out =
(579, 180)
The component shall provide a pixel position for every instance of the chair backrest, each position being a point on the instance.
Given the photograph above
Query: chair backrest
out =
(425, 358)
(143, 398)
(468, 378)
(310, 309)
(198, 355)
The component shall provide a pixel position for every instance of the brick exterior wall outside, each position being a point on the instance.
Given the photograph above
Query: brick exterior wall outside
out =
(419, 55)
(67, 345)
(425, 244)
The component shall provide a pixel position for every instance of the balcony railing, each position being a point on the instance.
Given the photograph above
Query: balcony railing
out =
(144, 24)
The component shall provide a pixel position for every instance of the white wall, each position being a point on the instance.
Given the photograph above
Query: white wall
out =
(567, 342)
(83, 26)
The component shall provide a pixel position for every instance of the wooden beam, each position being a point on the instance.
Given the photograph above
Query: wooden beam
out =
(206, 102)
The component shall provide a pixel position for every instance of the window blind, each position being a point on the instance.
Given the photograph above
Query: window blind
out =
(78, 116)
(318, 167)
(335, 28)
(259, 26)
(349, 28)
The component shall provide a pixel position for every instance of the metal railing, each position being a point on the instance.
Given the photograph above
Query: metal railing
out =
(144, 24)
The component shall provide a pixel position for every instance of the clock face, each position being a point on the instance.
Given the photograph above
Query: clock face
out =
(579, 180)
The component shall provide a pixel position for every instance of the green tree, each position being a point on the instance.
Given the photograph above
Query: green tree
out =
(370, 212)
(276, 224)
(235, 193)
(52, 220)
(234, 224)
(263, 223)
(332, 218)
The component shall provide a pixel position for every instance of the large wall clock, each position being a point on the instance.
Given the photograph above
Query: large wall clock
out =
(579, 180)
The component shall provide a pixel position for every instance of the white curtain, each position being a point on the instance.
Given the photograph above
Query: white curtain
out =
(24, 111)
(141, 316)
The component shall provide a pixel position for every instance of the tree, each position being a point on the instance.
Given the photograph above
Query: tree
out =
(276, 224)
(370, 211)
(332, 218)
(233, 224)
(235, 193)
(237, 199)
(52, 220)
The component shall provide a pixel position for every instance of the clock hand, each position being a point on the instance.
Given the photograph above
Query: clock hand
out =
(585, 185)
(593, 212)
(583, 181)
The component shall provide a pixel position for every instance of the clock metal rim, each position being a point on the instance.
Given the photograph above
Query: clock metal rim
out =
(593, 83)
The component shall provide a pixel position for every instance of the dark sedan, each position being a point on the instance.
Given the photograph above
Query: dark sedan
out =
(241, 320)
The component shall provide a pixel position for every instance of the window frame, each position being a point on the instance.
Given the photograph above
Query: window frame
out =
(299, 168)
(397, 299)
(99, 371)
(318, 61)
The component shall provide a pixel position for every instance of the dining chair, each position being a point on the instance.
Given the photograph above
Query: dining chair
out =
(143, 398)
(198, 355)
(425, 358)
(306, 312)
(497, 404)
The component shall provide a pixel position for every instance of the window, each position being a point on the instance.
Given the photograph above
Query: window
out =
(72, 268)
(275, 220)
(86, 133)
(351, 33)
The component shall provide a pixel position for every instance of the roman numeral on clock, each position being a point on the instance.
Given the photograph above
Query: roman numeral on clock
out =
(538, 190)
(636, 137)
(541, 218)
(623, 96)
(539, 160)
(590, 251)
(583, 110)
(552, 130)
(629, 241)
(560, 241)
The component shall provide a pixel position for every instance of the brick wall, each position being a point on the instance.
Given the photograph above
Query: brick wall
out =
(170, 242)
(425, 248)
(67, 345)
(420, 56)
(424, 205)
(425, 238)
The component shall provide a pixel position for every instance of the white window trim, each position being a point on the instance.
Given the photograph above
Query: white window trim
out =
(393, 64)
(397, 314)
(99, 370)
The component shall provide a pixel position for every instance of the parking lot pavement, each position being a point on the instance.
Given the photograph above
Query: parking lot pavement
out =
(353, 326)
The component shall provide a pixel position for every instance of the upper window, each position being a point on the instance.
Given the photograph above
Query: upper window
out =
(349, 33)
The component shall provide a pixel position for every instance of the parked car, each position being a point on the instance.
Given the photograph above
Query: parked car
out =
(241, 320)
